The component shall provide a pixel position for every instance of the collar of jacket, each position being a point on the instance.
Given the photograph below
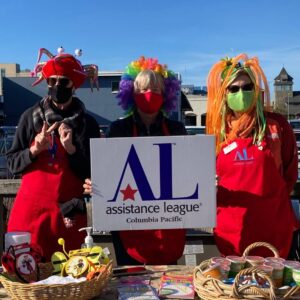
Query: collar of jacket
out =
(156, 125)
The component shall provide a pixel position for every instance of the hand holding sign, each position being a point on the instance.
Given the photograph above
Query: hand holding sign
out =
(87, 186)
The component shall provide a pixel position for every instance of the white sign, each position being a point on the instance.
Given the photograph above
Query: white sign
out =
(153, 182)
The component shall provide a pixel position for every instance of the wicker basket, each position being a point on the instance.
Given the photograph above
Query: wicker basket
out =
(70, 291)
(209, 288)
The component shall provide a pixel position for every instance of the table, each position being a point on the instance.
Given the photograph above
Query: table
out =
(111, 293)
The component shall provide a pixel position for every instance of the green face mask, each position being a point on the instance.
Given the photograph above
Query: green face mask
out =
(240, 101)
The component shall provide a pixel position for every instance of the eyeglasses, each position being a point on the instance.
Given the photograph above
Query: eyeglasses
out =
(236, 88)
(64, 82)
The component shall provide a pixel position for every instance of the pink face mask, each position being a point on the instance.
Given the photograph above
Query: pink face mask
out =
(148, 102)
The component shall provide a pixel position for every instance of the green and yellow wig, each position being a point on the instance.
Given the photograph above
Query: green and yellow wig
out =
(219, 115)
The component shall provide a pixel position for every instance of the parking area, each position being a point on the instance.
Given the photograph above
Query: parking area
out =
(7, 134)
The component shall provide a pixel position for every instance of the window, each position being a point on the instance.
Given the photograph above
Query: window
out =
(115, 86)
(203, 119)
(278, 88)
(295, 124)
(190, 119)
(297, 136)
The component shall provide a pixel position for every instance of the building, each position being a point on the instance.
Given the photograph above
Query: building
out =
(13, 70)
(287, 101)
(197, 98)
(9, 70)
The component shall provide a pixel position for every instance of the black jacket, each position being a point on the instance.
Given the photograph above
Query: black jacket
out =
(19, 158)
(125, 127)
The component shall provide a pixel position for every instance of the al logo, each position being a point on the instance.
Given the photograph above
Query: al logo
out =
(242, 156)
(165, 171)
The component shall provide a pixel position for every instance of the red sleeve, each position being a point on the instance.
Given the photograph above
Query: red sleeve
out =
(289, 151)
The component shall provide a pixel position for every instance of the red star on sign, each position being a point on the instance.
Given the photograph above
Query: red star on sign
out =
(128, 193)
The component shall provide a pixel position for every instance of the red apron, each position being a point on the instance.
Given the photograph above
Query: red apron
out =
(253, 204)
(154, 246)
(45, 183)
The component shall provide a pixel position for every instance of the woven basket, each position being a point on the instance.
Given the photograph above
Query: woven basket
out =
(45, 270)
(70, 291)
(209, 288)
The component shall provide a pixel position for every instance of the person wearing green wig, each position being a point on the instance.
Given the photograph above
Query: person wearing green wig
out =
(257, 163)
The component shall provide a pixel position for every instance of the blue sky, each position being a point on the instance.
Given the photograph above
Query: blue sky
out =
(188, 35)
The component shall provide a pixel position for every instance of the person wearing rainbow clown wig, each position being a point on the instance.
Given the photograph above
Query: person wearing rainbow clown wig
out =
(147, 92)
(51, 151)
(256, 159)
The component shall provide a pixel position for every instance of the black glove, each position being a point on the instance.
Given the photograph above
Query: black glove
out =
(72, 207)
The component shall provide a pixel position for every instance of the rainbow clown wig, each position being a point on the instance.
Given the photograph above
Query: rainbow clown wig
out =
(219, 115)
(126, 87)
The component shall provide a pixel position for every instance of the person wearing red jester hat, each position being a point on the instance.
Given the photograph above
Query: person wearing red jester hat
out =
(147, 92)
(257, 161)
(51, 151)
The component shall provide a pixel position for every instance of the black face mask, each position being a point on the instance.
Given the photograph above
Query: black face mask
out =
(60, 94)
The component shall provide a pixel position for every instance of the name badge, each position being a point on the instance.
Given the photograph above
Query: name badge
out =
(230, 147)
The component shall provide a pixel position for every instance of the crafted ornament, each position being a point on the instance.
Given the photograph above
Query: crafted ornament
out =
(79, 262)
